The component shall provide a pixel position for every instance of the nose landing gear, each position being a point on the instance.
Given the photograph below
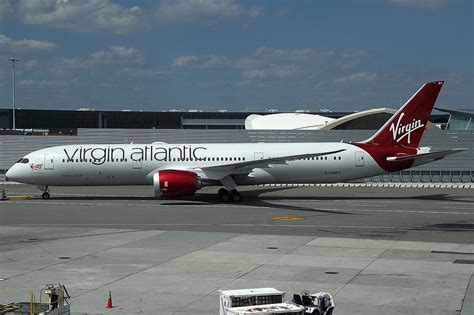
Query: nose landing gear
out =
(45, 191)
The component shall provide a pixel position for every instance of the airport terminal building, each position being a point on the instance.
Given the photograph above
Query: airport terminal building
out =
(36, 129)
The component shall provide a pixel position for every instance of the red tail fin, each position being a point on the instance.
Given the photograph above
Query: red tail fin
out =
(407, 125)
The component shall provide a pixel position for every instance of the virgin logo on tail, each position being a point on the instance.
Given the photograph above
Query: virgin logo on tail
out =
(400, 131)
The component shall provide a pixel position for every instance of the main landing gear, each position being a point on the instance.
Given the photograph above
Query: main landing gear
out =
(229, 196)
(229, 193)
(45, 191)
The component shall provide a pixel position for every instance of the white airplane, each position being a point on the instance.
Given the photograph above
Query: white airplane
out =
(179, 170)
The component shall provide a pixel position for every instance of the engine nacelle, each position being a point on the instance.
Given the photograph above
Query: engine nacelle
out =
(175, 184)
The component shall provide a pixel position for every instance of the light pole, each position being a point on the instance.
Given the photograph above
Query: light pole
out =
(13, 99)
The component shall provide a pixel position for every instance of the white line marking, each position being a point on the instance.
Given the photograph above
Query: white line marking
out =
(223, 224)
(458, 208)
(295, 208)
(157, 205)
(391, 201)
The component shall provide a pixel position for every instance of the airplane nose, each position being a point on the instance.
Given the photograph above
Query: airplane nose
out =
(9, 175)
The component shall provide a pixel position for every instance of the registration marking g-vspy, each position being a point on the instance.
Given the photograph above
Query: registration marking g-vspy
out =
(404, 130)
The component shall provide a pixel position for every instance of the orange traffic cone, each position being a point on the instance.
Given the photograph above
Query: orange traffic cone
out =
(109, 301)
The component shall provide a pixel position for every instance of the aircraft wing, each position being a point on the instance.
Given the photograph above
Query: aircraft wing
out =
(217, 172)
(268, 161)
(422, 158)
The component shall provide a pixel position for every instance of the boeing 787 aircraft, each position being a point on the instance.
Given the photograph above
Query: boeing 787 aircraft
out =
(179, 170)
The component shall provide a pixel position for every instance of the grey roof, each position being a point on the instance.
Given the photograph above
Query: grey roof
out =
(455, 111)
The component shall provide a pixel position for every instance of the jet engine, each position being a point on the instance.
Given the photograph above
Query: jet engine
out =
(175, 183)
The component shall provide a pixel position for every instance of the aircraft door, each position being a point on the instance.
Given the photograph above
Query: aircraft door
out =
(49, 162)
(258, 155)
(136, 164)
(359, 158)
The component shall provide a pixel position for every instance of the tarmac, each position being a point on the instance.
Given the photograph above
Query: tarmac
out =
(377, 250)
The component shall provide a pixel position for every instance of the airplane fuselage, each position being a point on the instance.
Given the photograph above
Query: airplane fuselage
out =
(134, 164)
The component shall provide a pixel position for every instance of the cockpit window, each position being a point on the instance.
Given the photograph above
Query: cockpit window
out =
(19, 160)
(24, 161)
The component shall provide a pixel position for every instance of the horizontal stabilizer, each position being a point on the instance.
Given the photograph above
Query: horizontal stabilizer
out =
(423, 158)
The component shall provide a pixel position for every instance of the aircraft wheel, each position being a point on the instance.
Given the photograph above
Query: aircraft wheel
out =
(223, 195)
(235, 196)
(45, 195)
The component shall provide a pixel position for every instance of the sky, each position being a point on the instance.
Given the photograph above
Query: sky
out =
(235, 55)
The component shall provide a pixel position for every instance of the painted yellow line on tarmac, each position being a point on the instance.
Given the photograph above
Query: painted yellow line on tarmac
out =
(287, 218)
(22, 197)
